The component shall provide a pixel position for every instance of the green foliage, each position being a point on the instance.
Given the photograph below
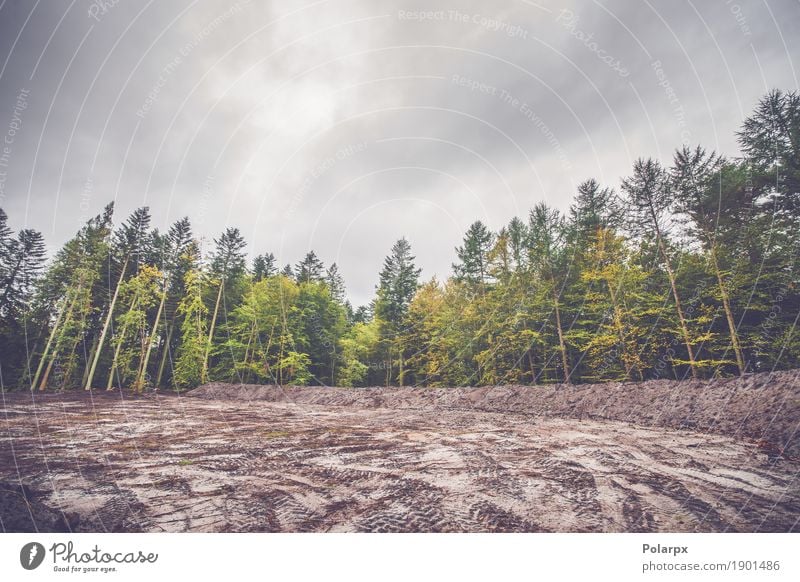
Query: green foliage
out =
(695, 269)
(190, 367)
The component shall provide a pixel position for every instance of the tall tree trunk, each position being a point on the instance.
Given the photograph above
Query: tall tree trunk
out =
(43, 385)
(149, 347)
(110, 384)
(620, 330)
(165, 352)
(247, 354)
(109, 316)
(67, 318)
(211, 330)
(530, 365)
(673, 285)
(71, 367)
(561, 343)
(49, 344)
(678, 308)
(728, 312)
(401, 370)
(92, 352)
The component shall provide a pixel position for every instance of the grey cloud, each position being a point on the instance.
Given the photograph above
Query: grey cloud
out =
(231, 112)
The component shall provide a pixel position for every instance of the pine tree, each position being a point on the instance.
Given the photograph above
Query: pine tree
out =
(473, 265)
(24, 263)
(770, 139)
(335, 282)
(180, 255)
(264, 266)
(227, 267)
(549, 257)
(714, 209)
(310, 269)
(133, 243)
(397, 286)
(21, 263)
(649, 199)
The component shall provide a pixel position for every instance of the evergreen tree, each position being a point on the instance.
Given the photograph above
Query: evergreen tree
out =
(715, 210)
(68, 290)
(131, 248)
(180, 255)
(310, 269)
(227, 269)
(335, 282)
(770, 139)
(397, 286)
(473, 265)
(549, 257)
(649, 198)
(21, 263)
(264, 266)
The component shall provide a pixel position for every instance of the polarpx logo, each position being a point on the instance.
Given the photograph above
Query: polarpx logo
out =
(31, 555)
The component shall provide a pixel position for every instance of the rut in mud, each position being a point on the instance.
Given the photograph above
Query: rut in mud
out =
(109, 462)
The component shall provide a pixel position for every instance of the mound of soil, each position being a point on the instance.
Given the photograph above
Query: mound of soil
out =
(763, 407)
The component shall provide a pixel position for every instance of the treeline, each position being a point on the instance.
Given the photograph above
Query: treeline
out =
(688, 270)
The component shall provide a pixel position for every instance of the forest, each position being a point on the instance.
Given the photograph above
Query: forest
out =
(687, 269)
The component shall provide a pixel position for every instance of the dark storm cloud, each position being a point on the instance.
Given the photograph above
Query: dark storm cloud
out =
(343, 125)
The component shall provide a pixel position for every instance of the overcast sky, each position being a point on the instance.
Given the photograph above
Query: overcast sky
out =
(342, 125)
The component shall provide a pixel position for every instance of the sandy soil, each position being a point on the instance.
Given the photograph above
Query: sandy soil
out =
(109, 462)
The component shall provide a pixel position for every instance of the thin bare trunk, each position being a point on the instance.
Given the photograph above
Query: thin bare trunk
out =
(43, 385)
(110, 384)
(67, 318)
(247, 353)
(92, 352)
(165, 352)
(561, 343)
(620, 330)
(109, 316)
(211, 331)
(401, 370)
(47, 346)
(530, 365)
(728, 313)
(149, 346)
(678, 308)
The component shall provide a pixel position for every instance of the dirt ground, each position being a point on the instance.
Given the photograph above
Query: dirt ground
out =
(413, 460)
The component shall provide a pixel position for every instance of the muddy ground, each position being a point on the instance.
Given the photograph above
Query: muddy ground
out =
(320, 459)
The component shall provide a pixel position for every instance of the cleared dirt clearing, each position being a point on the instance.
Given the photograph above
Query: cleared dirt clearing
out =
(106, 462)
